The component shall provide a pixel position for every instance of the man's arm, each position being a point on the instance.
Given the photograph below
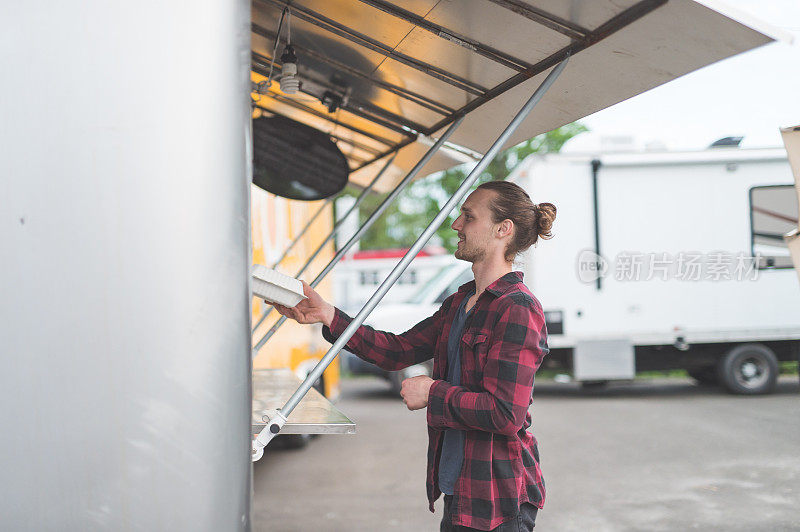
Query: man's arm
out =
(515, 354)
(385, 350)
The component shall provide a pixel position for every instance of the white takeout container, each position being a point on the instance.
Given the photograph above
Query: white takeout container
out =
(276, 287)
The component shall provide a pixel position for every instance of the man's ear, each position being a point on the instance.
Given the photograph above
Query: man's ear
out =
(504, 228)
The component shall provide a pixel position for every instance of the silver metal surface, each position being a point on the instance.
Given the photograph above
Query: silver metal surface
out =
(367, 224)
(459, 194)
(314, 415)
(588, 14)
(522, 38)
(619, 48)
(125, 300)
(671, 41)
(604, 359)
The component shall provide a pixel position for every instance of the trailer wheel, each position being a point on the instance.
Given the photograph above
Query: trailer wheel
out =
(705, 376)
(749, 369)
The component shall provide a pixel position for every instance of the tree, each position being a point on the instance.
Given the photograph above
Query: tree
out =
(407, 217)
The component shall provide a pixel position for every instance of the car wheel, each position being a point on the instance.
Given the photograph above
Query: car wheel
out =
(749, 369)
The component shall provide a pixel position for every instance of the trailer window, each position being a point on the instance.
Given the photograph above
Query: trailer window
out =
(773, 213)
(370, 277)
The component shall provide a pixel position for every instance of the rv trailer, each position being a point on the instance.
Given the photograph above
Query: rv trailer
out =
(669, 260)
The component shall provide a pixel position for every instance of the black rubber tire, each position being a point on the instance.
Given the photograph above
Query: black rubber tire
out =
(705, 376)
(749, 369)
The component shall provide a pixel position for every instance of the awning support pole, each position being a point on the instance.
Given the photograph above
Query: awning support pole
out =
(368, 223)
(337, 226)
(279, 420)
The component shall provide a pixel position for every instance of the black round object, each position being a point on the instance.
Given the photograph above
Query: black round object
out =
(749, 369)
(296, 161)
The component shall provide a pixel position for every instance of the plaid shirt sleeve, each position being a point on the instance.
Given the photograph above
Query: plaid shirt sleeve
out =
(387, 350)
(514, 355)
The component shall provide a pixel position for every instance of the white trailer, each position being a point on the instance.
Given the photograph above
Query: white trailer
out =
(668, 260)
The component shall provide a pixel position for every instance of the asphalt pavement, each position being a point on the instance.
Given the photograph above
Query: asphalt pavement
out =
(649, 455)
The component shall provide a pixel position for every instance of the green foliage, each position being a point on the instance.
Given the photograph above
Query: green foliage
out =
(407, 217)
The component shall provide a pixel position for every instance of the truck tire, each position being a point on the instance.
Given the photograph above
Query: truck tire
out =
(749, 369)
(705, 376)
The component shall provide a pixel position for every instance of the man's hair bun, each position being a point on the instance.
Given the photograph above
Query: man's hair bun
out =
(545, 216)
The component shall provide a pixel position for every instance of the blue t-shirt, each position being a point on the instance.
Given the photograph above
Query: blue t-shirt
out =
(452, 457)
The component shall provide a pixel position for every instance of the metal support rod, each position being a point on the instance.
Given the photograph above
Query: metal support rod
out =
(409, 256)
(310, 110)
(371, 220)
(336, 227)
(302, 232)
(540, 16)
(339, 138)
(332, 26)
(353, 104)
(451, 36)
(407, 94)
(394, 149)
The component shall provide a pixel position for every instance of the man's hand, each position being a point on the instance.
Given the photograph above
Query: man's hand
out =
(311, 310)
(415, 391)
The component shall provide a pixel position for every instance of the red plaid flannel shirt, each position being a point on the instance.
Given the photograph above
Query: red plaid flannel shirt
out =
(503, 344)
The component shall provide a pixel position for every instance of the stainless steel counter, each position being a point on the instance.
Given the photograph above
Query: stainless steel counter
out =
(314, 415)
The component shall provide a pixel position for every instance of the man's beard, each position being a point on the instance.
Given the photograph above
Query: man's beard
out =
(470, 254)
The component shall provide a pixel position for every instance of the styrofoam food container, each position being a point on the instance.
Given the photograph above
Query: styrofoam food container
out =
(276, 287)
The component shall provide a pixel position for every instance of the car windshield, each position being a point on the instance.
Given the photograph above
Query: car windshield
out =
(425, 291)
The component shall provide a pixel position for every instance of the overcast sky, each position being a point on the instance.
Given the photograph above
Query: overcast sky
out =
(750, 95)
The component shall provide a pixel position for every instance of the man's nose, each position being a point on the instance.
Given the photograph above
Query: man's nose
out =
(455, 224)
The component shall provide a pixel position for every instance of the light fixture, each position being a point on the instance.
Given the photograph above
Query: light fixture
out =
(289, 82)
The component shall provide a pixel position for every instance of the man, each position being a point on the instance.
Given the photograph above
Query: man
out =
(487, 341)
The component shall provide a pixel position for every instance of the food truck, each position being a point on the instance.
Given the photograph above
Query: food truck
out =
(132, 136)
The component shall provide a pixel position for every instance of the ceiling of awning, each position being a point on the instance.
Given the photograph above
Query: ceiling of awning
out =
(408, 69)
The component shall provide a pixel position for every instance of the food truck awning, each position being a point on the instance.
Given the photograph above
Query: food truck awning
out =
(397, 73)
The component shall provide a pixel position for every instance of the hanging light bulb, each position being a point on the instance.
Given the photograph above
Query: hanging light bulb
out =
(289, 82)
